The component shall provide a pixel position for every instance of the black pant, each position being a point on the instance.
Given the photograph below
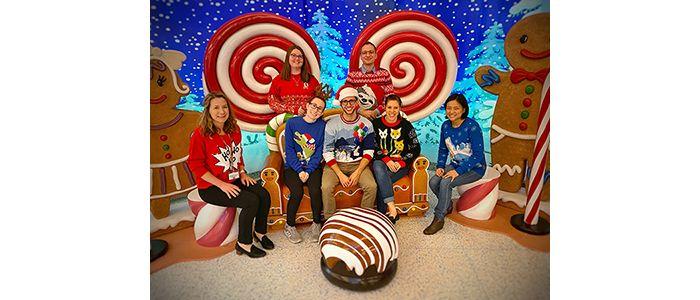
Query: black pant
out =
(254, 202)
(296, 191)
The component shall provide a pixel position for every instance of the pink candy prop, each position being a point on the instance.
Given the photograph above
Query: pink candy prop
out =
(214, 225)
(478, 199)
(534, 188)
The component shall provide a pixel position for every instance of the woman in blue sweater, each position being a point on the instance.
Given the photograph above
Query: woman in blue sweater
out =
(461, 138)
(303, 146)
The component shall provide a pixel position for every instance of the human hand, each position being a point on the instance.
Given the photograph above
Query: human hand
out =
(451, 174)
(369, 114)
(231, 190)
(344, 180)
(302, 111)
(354, 178)
(303, 176)
(439, 172)
(393, 166)
(247, 180)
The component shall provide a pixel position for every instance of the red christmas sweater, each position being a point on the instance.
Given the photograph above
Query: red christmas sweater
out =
(378, 76)
(290, 95)
(221, 155)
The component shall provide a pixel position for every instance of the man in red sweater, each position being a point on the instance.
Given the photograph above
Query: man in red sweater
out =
(369, 73)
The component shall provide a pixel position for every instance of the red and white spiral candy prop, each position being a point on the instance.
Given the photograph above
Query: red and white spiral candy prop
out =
(534, 187)
(478, 199)
(214, 225)
(359, 237)
(243, 57)
(420, 52)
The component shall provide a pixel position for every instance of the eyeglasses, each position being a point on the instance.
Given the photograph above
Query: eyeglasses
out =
(296, 56)
(348, 102)
(367, 52)
(316, 107)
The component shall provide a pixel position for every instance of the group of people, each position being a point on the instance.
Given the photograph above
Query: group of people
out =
(348, 144)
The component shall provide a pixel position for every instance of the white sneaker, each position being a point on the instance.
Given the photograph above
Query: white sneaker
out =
(315, 232)
(292, 234)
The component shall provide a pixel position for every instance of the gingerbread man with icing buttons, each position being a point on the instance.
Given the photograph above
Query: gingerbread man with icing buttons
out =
(515, 116)
(170, 131)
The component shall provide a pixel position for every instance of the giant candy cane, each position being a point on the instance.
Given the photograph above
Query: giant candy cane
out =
(245, 54)
(421, 54)
(534, 187)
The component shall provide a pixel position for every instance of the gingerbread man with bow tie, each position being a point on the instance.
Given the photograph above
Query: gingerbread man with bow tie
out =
(515, 116)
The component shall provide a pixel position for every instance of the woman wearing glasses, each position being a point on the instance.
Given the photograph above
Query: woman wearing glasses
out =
(303, 145)
(292, 89)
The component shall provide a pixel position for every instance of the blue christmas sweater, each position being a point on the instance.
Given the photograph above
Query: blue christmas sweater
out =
(303, 144)
(465, 146)
(348, 141)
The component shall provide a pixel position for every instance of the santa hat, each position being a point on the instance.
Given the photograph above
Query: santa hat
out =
(344, 91)
(308, 138)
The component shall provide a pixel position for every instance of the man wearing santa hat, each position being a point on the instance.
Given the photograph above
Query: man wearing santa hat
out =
(348, 149)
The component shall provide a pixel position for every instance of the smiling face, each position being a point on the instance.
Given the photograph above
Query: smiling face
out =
(527, 43)
(392, 109)
(269, 175)
(164, 94)
(296, 60)
(454, 111)
(368, 55)
(349, 105)
(314, 108)
(219, 111)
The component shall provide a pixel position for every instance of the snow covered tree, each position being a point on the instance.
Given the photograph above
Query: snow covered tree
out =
(527, 7)
(333, 62)
(489, 53)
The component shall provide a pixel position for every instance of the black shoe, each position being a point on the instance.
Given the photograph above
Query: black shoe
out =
(434, 227)
(394, 219)
(265, 242)
(255, 252)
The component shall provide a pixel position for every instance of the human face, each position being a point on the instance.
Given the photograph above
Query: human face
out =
(314, 109)
(454, 111)
(368, 55)
(392, 109)
(349, 105)
(296, 59)
(219, 111)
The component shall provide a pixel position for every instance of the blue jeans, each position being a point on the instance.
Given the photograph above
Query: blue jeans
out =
(385, 181)
(442, 188)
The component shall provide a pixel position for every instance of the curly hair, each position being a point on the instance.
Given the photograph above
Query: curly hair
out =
(206, 123)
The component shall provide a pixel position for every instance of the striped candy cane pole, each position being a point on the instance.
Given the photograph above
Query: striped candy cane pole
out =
(534, 187)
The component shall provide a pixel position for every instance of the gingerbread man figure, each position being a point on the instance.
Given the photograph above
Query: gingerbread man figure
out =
(515, 116)
(170, 131)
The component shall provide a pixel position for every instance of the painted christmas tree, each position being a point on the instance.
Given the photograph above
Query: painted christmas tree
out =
(527, 7)
(489, 53)
(333, 62)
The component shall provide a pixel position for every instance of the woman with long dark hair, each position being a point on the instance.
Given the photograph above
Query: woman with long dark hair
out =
(294, 87)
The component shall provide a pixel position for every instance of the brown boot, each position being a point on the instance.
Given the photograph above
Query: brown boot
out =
(434, 227)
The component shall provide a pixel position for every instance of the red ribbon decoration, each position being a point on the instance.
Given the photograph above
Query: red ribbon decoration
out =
(522, 74)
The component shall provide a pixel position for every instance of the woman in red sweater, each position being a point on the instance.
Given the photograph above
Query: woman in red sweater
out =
(295, 86)
(216, 159)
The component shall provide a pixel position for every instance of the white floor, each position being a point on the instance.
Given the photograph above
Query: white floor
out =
(456, 263)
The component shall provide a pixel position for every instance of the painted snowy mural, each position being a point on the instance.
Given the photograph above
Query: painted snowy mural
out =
(478, 26)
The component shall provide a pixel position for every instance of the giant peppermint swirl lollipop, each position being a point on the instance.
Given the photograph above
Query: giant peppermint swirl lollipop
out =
(243, 57)
(420, 52)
